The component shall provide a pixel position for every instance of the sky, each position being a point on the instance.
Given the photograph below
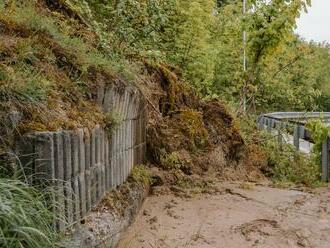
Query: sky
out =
(315, 25)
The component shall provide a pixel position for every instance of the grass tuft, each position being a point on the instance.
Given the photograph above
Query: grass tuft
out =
(25, 220)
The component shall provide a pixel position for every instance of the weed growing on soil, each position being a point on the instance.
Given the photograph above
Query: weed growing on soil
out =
(140, 175)
(170, 161)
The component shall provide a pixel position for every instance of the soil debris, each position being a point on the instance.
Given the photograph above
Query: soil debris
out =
(229, 220)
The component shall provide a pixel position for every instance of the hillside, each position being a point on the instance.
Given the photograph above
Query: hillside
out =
(182, 61)
(52, 65)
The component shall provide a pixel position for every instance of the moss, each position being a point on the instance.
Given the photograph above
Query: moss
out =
(192, 125)
(112, 121)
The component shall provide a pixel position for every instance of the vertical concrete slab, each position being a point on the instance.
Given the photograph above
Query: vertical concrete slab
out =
(112, 160)
(68, 194)
(76, 199)
(87, 142)
(88, 161)
(94, 185)
(132, 144)
(107, 103)
(82, 194)
(93, 147)
(44, 163)
(88, 189)
(116, 170)
(67, 156)
(106, 161)
(103, 177)
(120, 162)
(123, 141)
(97, 144)
(27, 156)
(296, 136)
(81, 151)
(59, 180)
(58, 156)
(74, 154)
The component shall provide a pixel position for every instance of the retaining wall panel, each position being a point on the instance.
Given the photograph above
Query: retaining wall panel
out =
(84, 164)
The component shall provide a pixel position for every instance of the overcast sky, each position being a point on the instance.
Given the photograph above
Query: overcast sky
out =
(315, 25)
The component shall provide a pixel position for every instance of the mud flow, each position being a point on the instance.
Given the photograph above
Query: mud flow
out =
(233, 216)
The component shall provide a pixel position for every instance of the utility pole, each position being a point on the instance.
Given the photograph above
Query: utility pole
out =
(244, 60)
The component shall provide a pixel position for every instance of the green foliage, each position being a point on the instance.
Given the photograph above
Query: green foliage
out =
(25, 220)
(203, 39)
(141, 175)
(171, 161)
(286, 165)
(112, 121)
(188, 41)
(319, 132)
(291, 166)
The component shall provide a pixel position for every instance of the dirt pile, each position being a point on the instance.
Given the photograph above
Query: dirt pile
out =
(51, 69)
(189, 137)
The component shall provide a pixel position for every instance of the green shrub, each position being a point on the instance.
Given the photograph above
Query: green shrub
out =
(319, 132)
(289, 165)
(171, 161)
(285, 164)
(25, 220)
(141, 175)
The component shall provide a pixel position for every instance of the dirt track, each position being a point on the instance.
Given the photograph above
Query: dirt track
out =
(234, 216)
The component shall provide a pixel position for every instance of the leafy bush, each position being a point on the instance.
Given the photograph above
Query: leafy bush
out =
(25, 220)
(291, 166)
(285, 164)
(319, 133)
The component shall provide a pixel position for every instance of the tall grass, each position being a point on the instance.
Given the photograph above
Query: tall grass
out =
(25, 219)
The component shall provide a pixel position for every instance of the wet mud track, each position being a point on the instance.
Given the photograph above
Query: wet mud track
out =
(259, 216)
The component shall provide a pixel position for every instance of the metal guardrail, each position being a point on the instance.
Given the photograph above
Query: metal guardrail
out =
(296, 121)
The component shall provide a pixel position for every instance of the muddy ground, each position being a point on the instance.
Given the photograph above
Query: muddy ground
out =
(233, 215)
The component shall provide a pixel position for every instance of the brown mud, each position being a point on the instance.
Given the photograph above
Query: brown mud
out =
(234, 215)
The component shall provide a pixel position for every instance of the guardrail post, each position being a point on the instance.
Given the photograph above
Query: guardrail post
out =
(269, 124)
(325, 160)
(279, 134)
(296, 136)
(261, 122)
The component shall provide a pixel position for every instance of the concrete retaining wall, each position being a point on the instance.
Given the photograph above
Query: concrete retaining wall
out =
(83, 164)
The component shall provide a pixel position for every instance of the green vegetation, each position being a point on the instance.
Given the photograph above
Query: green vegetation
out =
(203, 41)
(319, 133)
(25, 218)
(284, 164)
(141, 175)
(290, 166)
(55, 54)
(170, 161)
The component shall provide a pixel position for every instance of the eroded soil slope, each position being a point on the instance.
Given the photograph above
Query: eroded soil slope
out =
(233, 216)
